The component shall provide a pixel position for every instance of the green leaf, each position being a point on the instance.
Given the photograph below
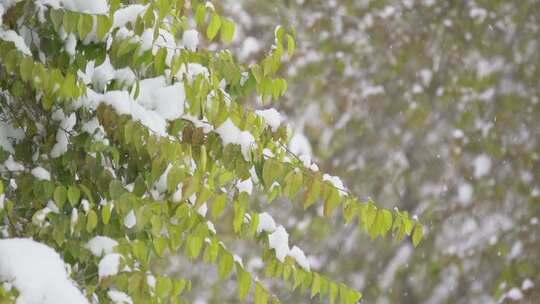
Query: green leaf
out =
(160, 243)
(60, 196)
(261, 296)
(418, 234)
(195, 245)
(116, 189)
(244, 282)
(164, 8)
(56, 17)
(225, 265)
(200, 13)
(27, 65)
(368, 212)
(225, 177)
(70, 22)
(106, 213)
(386, 221)
(332, 295)
(178, 287)
(104, 24)
(272, 170)
(163, 287)
(257, 72)
(290, 45)
(174, 177)
(86, 22)
(159, 61)
(227, 31)
(313, 191)
(315, 285)
(74, 194)
(293, 183)
(91, 221)
(218, 205)
(213, 27)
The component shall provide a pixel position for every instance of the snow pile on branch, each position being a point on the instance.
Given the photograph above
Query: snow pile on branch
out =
(100, 245)
(83, 6)
(230, 134)
(190, 40)
(278, 239)
(271, 117)
(37, 272)
(109, 265)
(119, 297)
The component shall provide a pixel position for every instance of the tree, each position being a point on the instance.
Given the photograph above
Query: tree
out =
(124, 139)
(431, 106)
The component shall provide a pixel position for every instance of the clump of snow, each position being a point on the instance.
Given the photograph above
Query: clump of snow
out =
(71, 44)
(102, 74)
(12, 36)
(191, 71)
(166, 101)
(230, 134)
(203, 209)
(124, 104)
(37, 272)
(238, 260)
(514, 294)
(8, 133)
(211, 227)
(300, 257)
(118, 297)
(336, 182)
(266, 223)
(279, 241)
(13, 165)
(527, 284)
(190, 40)
(109, 265)
(62, 139)
(482, 165)
(85, 6)
(151, 281)
(271, 117)
(40, 173)
(125, 76)
(130, 220)
(465, 192)
(245, 186)
(128, 14)
(100, 245)
(457, 133)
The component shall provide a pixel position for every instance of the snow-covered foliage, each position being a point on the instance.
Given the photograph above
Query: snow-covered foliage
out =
(125, 138)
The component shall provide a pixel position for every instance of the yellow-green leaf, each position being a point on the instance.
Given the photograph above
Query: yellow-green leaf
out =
(91, 221)
(86, 22)
(103, 26)
(291, 46)
(73, 194)
(227, 30)
(60, 196)
(244, 282)
(213, 27)
(418, 234)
